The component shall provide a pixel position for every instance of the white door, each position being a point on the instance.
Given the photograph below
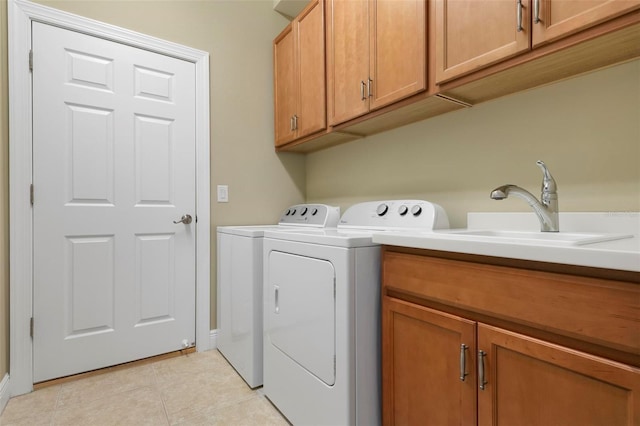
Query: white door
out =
(113, 168)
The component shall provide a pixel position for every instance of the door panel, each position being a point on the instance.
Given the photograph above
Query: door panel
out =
(559, 18)
(113, 167)
(422, 366)
(472, 34)
(524, 374)
(347, 59)
(397, 36)
(302, 319)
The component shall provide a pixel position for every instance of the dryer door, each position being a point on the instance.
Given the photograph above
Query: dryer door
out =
(301, 310)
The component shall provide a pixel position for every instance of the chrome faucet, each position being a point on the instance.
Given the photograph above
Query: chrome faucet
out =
(546, 209)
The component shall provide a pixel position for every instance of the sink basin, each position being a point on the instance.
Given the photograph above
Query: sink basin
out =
(533, 237)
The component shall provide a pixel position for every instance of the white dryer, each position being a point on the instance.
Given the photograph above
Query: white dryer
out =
(239, 272)
(322, 313)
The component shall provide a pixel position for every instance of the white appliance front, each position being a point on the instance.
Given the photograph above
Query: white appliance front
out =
(321, 347)
(301, 267)
(239, 273)
(303, 312)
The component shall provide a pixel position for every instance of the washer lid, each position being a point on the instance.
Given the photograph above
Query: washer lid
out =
(347, 238)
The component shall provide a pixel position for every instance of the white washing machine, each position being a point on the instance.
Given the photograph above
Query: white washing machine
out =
(322, 313)
(239, 272)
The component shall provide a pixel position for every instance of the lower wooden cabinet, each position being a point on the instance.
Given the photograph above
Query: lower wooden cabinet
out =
(421, 366)
(444, 369)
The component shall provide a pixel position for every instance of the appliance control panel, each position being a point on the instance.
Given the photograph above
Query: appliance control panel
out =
(314, 215)
(395, 214)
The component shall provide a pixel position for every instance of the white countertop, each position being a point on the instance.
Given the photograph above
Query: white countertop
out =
(623, 254)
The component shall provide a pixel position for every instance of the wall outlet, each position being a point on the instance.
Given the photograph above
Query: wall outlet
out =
(223, 193)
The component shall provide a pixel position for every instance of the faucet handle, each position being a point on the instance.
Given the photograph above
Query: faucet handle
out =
(548, 182)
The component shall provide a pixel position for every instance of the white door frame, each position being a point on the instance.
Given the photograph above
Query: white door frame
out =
(20, 15)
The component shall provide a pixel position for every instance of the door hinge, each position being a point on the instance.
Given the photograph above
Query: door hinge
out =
(31, 194)
(31, 327)
(31, 60)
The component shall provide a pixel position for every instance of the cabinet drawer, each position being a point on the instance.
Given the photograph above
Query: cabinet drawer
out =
(599, 311)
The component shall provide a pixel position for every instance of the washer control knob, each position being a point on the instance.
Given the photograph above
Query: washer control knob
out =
(288, 212)
(416, 210)
(402, 210)
(293, 211)
(382, 209)
(304, 211)
(314, 212)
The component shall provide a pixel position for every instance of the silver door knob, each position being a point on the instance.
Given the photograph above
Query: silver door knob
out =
(186, 219)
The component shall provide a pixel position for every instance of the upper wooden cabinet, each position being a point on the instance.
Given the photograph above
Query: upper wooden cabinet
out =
(472, 34)
(376, 54)
(299, 76)
(553, 19)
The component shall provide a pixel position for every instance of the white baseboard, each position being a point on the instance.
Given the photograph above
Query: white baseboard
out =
(213, 339)
(4, 392)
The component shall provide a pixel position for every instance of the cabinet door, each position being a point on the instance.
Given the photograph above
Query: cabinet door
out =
(312, 115)
(532, 382)
(398, 50)
(285, 86)
(347, 59)
(472, 34)
(422, 366)
(558, 18)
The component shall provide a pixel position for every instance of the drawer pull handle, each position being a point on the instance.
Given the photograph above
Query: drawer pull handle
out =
(519, 14)
(463, 361)
(481, 381)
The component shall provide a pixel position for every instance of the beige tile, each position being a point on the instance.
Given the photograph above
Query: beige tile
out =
(36, 406)
(254, 411)
(142, 406)
(200, 363)
(205, 391)
(27, 419)
(110, 383)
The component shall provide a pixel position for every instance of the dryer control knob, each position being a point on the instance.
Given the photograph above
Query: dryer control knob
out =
(382, 209)
(314, 212)
(293, 211)
(403, 210)
(304, 211)
(416, 210)
(288, 212)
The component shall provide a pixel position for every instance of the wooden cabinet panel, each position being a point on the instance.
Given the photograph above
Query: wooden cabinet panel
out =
(347, 59)
(471, 34)
(398, 46)
(376, 54)
(311, 114)
(513, 378)
(285, 86)
(559, 18)
(532, 382)
(422, 366)
(299, 76)
(599, 311)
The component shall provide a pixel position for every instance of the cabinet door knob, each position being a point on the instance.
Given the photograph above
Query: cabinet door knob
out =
(481, 381)
(463, 361)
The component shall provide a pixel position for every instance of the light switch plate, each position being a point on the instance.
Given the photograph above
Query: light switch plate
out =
(223, 193)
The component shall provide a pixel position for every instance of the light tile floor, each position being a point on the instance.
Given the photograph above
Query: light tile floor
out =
(195, 389)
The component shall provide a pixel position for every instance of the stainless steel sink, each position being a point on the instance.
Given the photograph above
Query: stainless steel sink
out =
(533, 237)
